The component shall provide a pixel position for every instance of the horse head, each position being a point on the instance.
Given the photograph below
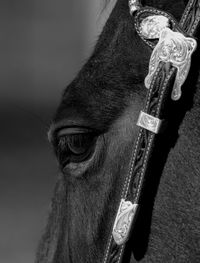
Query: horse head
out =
(93, 134)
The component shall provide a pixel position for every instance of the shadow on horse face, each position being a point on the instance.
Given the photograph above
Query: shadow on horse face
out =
(93, 134)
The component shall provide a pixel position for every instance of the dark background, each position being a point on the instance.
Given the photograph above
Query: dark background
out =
(43, 44)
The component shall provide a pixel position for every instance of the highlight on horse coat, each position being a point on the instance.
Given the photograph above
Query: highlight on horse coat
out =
(94, 133)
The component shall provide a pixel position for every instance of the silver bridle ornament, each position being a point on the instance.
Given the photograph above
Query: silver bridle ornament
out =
(172, 47)
(175, 48)
(134, 5)
(123, 221)
(149, 122)
(151, 26)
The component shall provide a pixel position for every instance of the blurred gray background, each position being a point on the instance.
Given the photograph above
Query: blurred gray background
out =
(43, 44)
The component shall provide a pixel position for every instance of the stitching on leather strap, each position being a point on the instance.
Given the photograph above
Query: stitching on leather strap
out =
(162, 91)
(121, 250)
(185, 14)
(125, 190)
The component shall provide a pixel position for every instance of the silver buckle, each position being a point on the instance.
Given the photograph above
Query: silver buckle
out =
(172, 47)
(149, 122)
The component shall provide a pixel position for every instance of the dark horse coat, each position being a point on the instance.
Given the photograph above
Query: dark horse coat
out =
(93, 133)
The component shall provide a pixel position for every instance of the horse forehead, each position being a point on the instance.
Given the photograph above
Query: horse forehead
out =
(101, 90)
(96, 104)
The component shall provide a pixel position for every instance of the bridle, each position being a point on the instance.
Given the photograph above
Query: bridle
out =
(173, 44)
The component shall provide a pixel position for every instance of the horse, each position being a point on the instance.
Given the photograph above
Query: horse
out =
(93, 135)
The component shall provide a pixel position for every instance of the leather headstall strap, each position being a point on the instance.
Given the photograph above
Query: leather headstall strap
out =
(168, 69)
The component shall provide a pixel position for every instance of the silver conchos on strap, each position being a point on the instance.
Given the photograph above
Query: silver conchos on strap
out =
(172, 47)
(123, 221)
(149, 122)
(134, 5)
(151, 26)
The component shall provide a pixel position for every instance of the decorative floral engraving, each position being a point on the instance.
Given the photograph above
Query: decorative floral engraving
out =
(151, 26)
(172, 47)
(149, 122)
(134, 5)
(123, 221)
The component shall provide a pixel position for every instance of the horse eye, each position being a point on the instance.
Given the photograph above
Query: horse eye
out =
(75, 147)
(79, 143)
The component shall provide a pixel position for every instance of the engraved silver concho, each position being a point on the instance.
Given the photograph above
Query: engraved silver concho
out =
(172, 47)
(149, 122)
(123, 221)
(134, 5)
(151, 26)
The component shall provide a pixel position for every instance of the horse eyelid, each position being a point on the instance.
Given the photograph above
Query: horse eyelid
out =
(55, 131)
(73, 131)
